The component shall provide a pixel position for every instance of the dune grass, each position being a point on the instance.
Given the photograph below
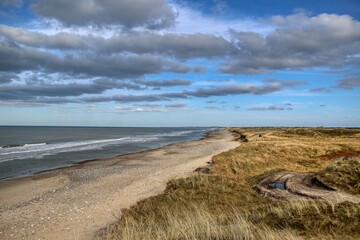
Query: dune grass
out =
(222, 205)
(343, 173)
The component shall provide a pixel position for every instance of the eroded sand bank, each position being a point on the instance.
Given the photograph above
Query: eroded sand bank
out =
(75, 202)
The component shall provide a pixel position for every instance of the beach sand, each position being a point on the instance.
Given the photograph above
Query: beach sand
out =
(75, 202)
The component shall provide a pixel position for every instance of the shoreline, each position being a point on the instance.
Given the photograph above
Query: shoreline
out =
(76, 201)
(205, 135)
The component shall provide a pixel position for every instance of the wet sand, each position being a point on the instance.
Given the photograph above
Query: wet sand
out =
(75, 202)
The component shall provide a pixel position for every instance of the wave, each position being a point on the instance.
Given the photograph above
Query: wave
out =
(39, 150)
(22, 145)
(180, 133)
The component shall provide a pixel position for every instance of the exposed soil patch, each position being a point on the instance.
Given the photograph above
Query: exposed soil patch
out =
(292, 185)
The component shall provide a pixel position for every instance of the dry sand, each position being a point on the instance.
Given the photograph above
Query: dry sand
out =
(75, 202)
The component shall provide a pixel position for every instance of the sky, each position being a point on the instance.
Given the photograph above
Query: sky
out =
(157, 63)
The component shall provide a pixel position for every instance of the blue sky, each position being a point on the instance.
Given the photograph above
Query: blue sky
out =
(180, 63)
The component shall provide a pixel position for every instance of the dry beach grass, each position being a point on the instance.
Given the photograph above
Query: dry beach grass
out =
(223, 205)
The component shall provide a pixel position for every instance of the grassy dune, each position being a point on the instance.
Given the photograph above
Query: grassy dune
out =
(222, 205)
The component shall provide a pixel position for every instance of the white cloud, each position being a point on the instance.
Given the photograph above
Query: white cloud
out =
(191, 21)
(132, 109)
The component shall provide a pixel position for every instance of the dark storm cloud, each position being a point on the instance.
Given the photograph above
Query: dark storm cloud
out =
(348, 83)
(298, 41)
(153, 14)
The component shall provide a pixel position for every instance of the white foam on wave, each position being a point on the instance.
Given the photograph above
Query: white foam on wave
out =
(38, 150)
(33, 144)
(179, 133)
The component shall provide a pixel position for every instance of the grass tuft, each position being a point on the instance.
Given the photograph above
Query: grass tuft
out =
(343, 174)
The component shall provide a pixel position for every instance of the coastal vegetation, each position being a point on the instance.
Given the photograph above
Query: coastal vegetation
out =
(224, 205)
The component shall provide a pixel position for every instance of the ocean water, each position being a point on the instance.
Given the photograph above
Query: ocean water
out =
(27, 150)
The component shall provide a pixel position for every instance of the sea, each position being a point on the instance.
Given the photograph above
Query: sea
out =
(28, 150)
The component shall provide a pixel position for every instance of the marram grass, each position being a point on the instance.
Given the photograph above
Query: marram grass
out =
(223, 205)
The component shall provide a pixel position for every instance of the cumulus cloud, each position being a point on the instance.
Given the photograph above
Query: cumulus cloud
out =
(298, 41)
(152, 14)
(325, 40)
(122, 59)
(138, 42)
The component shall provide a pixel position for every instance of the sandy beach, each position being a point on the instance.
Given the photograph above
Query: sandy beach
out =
(75, 202)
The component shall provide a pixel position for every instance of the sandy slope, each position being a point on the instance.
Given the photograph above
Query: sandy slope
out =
(75, 202)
